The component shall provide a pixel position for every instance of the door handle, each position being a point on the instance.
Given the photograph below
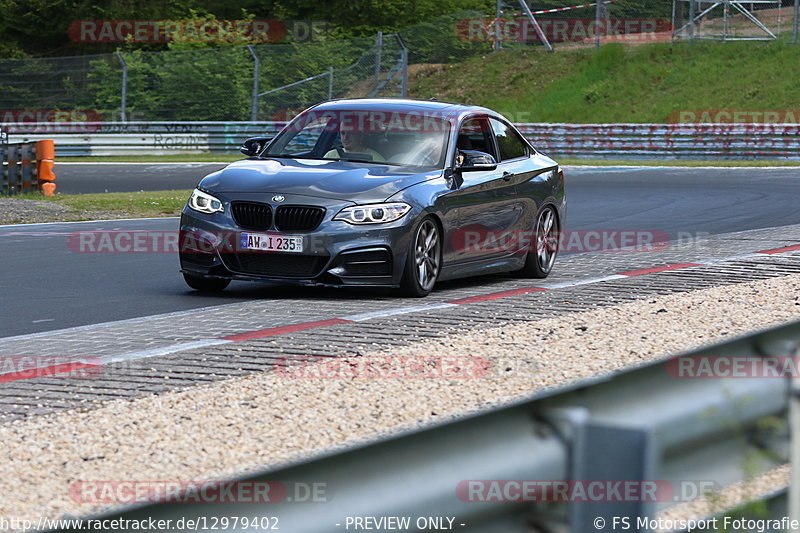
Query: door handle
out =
(508, 175)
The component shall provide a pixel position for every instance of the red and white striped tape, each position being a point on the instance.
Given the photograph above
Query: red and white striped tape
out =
(558, 9)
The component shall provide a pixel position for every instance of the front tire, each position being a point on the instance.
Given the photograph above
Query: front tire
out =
(423, 261)
(206, 284)
(540, 259)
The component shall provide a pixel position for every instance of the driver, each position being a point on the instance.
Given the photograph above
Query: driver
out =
(353, 143)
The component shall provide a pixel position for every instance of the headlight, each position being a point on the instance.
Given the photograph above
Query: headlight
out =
(204, 202)
(373, 213)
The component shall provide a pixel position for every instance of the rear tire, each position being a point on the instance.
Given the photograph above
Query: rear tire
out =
(423, 260)
(544, 248)
(206, 284)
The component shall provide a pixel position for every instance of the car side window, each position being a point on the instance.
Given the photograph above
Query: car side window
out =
(510, 144)
(474, 134)
(305, 140)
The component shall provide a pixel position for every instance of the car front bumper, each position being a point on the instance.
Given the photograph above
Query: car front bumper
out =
(336, 253)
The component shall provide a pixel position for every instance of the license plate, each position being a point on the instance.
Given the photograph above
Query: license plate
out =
(267, 242)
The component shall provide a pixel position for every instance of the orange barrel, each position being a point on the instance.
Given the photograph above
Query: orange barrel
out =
(45, 149)
(45, 153)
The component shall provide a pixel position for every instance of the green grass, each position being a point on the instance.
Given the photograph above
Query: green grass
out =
(134, 204)
(172, 158)
(646, 83)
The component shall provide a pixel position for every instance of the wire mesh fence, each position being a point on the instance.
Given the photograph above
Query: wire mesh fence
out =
(274, 81)
(734, 20)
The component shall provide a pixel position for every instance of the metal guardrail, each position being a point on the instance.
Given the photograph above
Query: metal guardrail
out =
(689, 141)
(142, 138)
(615, 141)
(640, 424)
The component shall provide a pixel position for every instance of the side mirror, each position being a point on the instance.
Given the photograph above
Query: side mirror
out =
(473, 160)
(254, 145)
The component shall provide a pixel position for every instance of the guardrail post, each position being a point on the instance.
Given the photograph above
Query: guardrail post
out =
(26, 155)
(13, 169)
(3, 156)
(618, 454)
(45, 155)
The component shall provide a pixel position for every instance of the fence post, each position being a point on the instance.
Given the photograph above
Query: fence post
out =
(330, 83)
(498, 14)
(404, 84)
(378, 52)
(598, 15)
(726, 14)
(124, 101)
(691, 20)
(796, 20)
(254, 97)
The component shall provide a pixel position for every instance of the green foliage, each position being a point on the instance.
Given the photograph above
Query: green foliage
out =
(645, 83)
(39, 27)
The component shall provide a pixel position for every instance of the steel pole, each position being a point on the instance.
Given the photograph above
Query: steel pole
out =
(726, 14)
(378, 51)
(254, 96)
(124, 96)
(796, 20)
(330, 84)
(691, 20)
(404, 86)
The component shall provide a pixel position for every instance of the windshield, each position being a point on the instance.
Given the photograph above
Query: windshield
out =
(394, 138)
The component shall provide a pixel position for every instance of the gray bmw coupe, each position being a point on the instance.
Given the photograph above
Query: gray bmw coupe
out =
(377, 192)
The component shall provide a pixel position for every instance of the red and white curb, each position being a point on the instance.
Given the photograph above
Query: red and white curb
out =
(303, 326)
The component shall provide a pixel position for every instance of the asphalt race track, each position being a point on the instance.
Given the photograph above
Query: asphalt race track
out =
(81, 178)
(45, 286)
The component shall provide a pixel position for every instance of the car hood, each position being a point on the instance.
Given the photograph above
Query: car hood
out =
(340, 180)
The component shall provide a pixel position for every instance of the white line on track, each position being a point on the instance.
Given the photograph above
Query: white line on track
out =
(400, 311)
(85, 221)
(164, 350)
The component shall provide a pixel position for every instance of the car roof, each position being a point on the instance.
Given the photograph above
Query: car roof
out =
(400, 105)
